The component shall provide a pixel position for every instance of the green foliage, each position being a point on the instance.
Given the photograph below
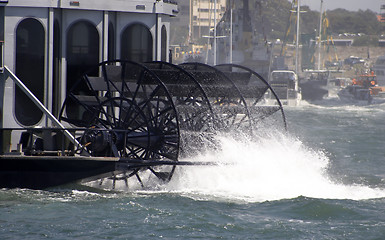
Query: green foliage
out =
(276, 14)
(343, 21)
(274, 17)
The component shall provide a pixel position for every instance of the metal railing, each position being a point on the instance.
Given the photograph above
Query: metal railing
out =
(40, 105)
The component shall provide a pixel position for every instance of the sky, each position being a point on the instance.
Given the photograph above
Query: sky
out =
(351, 5)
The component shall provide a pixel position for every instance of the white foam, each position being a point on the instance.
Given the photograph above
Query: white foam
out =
(262, 169)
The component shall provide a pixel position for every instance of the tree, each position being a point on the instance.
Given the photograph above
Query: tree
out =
(344, 21)
(275, 14)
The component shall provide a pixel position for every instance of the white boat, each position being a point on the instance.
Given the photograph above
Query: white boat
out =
(285, 82)
(285, 86)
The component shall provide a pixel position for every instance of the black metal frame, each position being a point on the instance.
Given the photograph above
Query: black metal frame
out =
(257, 92)
(227, 100)
(138, 119)
(129, 113)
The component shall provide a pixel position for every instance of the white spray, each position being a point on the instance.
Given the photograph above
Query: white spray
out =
(264, 169)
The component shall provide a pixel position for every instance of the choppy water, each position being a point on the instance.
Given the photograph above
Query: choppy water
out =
(323, 180)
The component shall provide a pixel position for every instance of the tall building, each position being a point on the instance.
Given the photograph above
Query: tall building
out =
(192, 26)
(198, 16)
(204, 14)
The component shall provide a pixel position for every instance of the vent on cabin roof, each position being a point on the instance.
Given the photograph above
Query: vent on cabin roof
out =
(140, 7)
(75, 3)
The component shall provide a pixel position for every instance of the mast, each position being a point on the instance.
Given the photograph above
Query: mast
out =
(297, 42)
(231, 32)
(320, 36)
(215, 32)
(190, 29)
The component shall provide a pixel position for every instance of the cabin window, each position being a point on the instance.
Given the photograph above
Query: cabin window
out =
(82, 51)
(136, 43)
(164, 44)
(30, 54)
(82, 55)
(111, 42)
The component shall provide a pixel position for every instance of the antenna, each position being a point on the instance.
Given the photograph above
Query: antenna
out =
(320, 36)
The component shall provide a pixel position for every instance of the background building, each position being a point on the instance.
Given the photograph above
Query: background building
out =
(193, 25)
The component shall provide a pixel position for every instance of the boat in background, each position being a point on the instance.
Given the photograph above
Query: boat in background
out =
(335, 85)
(314, 85)
(321, 84)
(379, 70)
(285, 85)
(363, 90)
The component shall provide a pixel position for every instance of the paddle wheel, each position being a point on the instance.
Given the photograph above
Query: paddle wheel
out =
(127, 112)
(136, 122)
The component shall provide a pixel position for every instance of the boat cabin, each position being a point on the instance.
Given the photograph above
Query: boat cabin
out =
(285, 85)
(49, 44)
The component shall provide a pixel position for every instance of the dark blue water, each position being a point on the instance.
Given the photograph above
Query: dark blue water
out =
(324, 180)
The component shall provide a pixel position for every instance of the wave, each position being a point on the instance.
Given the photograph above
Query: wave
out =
(336, 104)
